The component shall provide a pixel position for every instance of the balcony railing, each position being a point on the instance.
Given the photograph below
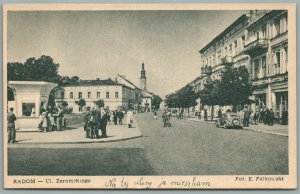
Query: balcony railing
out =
(226, 59)
(256, 46)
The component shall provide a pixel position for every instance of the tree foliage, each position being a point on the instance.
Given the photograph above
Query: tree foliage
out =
(235, 86)
(81, 103)
(41, 69)
(99, 103)
(184, 98)
(156, 100)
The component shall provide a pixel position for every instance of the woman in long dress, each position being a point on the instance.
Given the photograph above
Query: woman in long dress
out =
(129, 118)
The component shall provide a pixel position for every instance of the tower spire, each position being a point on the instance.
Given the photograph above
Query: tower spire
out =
(143, 78)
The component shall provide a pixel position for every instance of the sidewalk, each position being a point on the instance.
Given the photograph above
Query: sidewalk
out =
(77, 135)
(276, 129)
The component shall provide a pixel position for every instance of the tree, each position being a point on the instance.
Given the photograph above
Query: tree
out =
(209, 95)
(235, 87)
(155, 101)
(99, 103)
(81, 103)
(41, 69)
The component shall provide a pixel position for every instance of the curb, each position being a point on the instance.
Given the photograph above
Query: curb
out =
(255, 130)
(83, 142)
(267, 132)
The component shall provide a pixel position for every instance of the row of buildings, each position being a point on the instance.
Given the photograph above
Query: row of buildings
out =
(257, 40)
(31, 97)
(117, 94)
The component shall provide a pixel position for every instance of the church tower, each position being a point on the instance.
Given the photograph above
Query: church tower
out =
(143, 78)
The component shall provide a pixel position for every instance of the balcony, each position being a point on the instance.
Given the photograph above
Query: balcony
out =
(226, 59)
(255, 47)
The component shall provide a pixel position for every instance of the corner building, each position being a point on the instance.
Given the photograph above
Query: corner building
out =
(257, 40)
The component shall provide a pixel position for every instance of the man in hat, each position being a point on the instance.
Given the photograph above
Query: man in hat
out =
(104, 119)
(11, 128)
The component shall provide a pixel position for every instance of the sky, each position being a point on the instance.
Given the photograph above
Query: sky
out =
(102, 44)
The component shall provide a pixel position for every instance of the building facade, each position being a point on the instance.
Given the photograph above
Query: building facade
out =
(257, 40)
(115, 96)
(267, 46)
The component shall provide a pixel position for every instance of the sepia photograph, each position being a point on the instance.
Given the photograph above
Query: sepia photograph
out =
(149, 96)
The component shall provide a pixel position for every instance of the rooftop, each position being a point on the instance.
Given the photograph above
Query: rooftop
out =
(94, 82)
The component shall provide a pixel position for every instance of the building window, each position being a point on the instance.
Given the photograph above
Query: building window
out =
(62, 95)
(80, 109)
(230, 50)
(71, 94)
(277, 66)
(256, 68)
(243, 41)
(277, 27)
(286, 58)
(79, 95)
(107, 94)
(264, 32)
(89, 94)
(98, 94)
(116, 94)
(263, 66)
(28, 109)
(219, 56)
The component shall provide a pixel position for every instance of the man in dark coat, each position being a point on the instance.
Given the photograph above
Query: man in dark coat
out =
(11, 128)
(271, 117)
(87, 126)
(97, 113)
(267, 116)
(104, 120)
(246, 117)
(219, 113)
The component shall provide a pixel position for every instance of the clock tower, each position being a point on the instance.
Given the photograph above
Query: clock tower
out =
(143, 78)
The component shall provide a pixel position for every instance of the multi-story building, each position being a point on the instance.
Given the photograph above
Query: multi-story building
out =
(257, 40)
(143, 98)
(226, 48)
(115, 95)
(267, 46)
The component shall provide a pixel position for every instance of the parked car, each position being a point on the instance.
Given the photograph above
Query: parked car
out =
(228, 120)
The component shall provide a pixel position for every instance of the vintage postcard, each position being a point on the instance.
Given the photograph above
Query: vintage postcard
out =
(149, 96)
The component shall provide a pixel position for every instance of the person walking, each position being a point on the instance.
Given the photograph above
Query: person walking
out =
(129, 118)
(11, 127)
(246, 117)
(284, 117)
(267, 117)
(255, 117)
(120, 116)
(271, 117)
(155, 115)
(45, 124)
(97, 121)
(115, 117)
(205, 115)
(60, 116)
(219, 113)
(104, 120)
(87, 127)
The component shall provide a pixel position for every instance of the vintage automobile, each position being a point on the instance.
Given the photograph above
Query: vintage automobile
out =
(228, 120)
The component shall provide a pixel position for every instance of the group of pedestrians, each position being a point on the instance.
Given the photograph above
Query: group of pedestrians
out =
(96, 120)
(52, 121)
(264, 115)
(117, 117)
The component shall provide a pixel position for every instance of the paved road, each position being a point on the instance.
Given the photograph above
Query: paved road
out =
(188, 148)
